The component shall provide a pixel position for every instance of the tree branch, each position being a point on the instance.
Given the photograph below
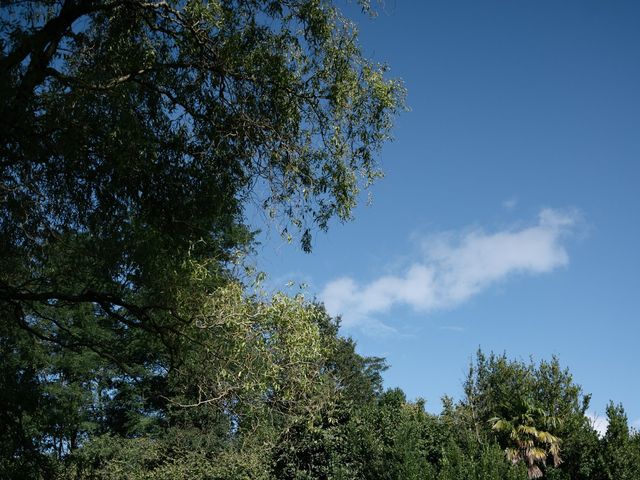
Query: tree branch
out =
(52, 31)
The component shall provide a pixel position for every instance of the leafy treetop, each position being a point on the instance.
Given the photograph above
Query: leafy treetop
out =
(134, 134)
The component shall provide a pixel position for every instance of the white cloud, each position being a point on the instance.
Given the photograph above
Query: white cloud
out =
(598, 423)
(636, 424)
(453, 267)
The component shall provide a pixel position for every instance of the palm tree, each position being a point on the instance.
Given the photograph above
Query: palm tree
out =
(528, 442)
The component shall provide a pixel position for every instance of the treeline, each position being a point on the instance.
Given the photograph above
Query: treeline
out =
(268, 389)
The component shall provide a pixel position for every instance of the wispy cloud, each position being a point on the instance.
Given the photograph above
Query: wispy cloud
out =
(598, 423)
(452, 328)
(510, 203)
(453, 267)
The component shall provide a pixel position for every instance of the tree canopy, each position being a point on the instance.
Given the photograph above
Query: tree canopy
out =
(135, 134)
(134, 138)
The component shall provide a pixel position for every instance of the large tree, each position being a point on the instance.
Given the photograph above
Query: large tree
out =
(528, 405)
(135, 139)
(135, 134)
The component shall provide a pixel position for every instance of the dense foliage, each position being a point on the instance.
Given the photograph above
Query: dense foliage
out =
(135, 138)
(135, 135)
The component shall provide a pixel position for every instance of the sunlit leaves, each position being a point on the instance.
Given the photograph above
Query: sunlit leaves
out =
(258, 359)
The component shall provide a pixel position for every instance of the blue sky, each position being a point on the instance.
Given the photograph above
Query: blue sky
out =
(509, 217)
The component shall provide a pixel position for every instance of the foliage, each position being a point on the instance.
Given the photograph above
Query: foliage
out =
(529, 443)
(620, 447)
(321, 447)
(250, 366)
(495, 384)
(134, 138)
(535, 403)
(478, 463)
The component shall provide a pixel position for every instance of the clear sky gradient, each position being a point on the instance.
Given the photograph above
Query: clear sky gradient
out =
(509, 217)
